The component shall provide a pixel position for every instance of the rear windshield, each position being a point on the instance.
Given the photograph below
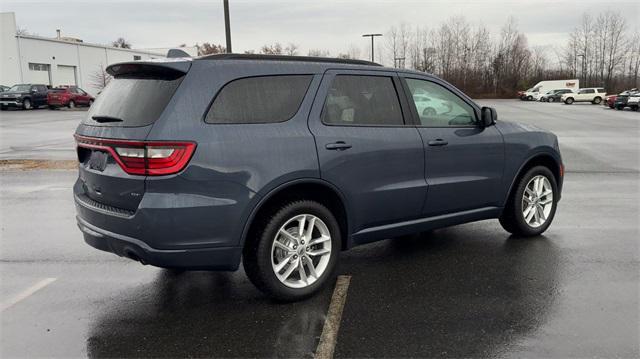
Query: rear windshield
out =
(132, 102)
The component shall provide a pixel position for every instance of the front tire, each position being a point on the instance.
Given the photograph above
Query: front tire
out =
(293, 250)
(529, 98)
(532, 204)
(569, 101)
(72, 104)
(551, 99)
(26, 104)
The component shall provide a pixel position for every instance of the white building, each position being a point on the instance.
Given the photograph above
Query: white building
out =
(60, 61)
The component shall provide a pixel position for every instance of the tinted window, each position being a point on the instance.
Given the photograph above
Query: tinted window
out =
(135, 101)
(439, 107)
(362, 100)
(259, 99)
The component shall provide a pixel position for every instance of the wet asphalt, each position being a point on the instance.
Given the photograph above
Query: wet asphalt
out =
(465, 291)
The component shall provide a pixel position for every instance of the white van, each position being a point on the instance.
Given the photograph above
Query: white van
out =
(543, 87)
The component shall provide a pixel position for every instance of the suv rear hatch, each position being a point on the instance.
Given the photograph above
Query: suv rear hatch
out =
(114, 157)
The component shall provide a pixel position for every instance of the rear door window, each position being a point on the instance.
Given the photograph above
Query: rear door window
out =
(132, 102)
(265, 99)
(362, 100)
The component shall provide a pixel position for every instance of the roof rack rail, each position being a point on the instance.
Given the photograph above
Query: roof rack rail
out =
(287, 58)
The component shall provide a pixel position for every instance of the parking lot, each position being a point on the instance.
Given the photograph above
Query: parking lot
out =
(464, 291)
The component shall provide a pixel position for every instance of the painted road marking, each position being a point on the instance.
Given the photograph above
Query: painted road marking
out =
(26, 293)
(329, 336)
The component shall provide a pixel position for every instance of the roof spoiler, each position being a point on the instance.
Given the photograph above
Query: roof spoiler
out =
(170, 69)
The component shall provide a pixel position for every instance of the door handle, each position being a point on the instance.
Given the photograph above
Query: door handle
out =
(438, 142)
(339, 146)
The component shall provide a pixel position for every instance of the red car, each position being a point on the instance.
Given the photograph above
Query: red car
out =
(609, 100)
(68, 97)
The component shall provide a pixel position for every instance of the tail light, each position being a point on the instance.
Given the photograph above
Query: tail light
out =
(150, 158)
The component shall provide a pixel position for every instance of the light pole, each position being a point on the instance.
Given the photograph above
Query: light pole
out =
(584, 77)
(371, 36)
(227, 25)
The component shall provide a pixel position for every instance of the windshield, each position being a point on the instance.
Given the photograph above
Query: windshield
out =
(20, 88)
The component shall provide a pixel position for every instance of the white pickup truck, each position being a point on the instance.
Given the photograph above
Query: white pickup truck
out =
(591, 94)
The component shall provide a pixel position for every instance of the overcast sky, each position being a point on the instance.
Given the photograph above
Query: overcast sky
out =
(332, 25)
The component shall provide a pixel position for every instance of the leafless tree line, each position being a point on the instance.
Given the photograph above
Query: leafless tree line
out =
(601, 52)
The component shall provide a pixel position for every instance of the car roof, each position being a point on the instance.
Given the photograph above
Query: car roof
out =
(261, 57)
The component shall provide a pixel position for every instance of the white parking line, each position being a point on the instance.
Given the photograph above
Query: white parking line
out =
(26, 293)
(329, 336)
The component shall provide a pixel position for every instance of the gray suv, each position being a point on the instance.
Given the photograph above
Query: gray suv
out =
(282, 162)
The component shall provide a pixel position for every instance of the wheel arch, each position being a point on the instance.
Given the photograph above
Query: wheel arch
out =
(538, 159)
(308, 188)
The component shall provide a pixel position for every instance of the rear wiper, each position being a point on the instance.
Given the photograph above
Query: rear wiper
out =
(103, 119)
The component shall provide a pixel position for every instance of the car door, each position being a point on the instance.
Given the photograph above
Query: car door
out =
(83, 96)
(367, 146)
(41, 95)
(463, 160)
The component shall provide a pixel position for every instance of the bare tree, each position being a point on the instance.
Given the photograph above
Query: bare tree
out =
(22, 31)
(121, 43)
(99, 79)
(274, 49)
(319, 53)
(291, 49)
(210, 49)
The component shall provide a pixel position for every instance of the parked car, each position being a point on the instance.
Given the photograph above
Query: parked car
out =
(4, 88)
(554, 95)
(543, 87)
(633, 101)
(592, 94)
(25, 96)
(68, 97)
(285, 161)
(429, 105)
(609, 101)
(622, 99)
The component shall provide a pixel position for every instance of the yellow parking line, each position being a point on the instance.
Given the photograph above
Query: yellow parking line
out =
(26, 293)
(329, 336)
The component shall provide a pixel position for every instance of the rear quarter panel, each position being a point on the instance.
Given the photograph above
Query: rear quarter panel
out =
(234, 165)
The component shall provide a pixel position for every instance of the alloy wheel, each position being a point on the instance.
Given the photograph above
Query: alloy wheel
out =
(301, 251)
(537, 201)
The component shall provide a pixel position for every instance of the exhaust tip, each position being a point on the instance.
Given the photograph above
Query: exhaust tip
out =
(133, 256)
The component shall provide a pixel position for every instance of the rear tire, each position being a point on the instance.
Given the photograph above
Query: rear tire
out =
(597, 100)
(515, 219)
(282, 270)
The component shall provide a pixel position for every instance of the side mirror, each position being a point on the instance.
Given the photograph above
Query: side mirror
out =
(489, 116)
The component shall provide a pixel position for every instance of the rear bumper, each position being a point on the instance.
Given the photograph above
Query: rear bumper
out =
(57, 103)
(219, 258)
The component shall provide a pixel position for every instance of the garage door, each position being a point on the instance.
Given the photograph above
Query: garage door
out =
(39, 74)
(66, 76)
